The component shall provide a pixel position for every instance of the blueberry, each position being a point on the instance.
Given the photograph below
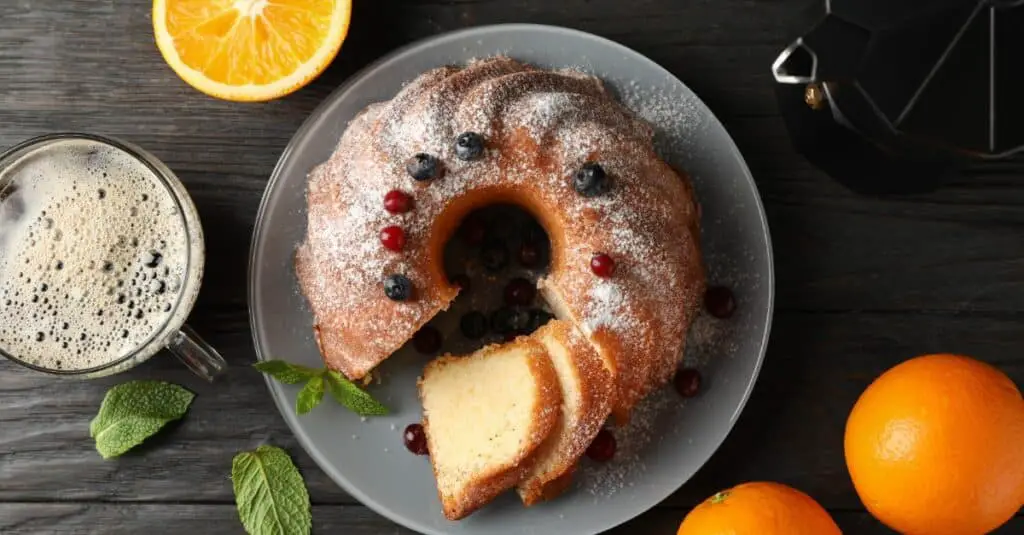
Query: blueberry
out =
(539, 317)
(423, 167)
(398, 287)
(473, 325)
(591, 180)
(494, 255)
(507, 320)
(469, 146)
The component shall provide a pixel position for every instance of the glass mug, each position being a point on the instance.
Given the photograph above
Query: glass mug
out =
(101, 259)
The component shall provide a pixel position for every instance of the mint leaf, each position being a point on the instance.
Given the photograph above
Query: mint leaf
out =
(356, 399)
(310, 396)
(134, 411)
(317, 380)
(287, 373)
(270, 494)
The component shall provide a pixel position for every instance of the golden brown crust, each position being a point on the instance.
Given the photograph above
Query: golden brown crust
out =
(545, 415)
(564, 447)
(552, 489)
(540, 126)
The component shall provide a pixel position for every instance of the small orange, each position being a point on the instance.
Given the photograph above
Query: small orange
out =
(249, 50)
(759, 508)
(935, 446)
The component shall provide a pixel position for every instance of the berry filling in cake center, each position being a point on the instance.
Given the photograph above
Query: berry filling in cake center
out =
(495, 257)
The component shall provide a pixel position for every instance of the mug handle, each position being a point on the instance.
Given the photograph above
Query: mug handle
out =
(195, 353)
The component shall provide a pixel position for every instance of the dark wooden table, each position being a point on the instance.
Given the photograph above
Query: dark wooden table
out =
(862, 283)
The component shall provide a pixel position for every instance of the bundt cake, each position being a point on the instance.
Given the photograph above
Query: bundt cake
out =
(625, 266)
(485, 416)
(587, 393)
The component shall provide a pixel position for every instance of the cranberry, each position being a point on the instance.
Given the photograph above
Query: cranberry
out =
(719, 302)
(473, 231)
(529, 254)
(687, 382)
(415, 439)
(397, 202)
(462, 282)
(602, 449)
(602, 265)
(519, 291)
(393, 238)
(427, 340)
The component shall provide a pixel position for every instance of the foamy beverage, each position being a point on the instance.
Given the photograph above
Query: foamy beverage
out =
(101, 257)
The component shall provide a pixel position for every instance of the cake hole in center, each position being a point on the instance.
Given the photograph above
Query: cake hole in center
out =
(496, 256)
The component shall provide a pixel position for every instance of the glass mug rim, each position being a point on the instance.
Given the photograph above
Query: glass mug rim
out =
(193, 236)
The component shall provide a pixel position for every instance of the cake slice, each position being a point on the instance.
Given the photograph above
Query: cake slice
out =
(485, 415)
(587, 392)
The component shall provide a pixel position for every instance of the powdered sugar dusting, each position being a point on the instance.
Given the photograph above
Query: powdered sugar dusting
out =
(649, 417)
(675, 117)
(607, 307)
(540, 127)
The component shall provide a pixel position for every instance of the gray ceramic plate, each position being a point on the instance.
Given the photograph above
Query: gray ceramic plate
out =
(671, 438)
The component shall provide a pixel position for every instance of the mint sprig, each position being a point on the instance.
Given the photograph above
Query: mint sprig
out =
(311, 395)
(351, 396)
(270, 494)
(345, 392)
(132, 412)
(286, 372)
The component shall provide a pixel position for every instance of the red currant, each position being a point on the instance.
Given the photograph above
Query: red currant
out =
(415, 439)
(427, 340)
(602, 449)
(529, 255)
(393, 238)
(519, 291)
(687, 382)
(602, 265)
(719, 302)
(397, 202)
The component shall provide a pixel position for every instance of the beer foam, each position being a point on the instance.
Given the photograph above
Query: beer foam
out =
(94, 253)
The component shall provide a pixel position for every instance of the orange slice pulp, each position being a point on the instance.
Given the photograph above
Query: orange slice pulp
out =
(249, 50)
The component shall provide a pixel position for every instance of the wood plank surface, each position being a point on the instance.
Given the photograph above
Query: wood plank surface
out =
(171, 519)
(158, 519)
(863, 283)
(816, 367)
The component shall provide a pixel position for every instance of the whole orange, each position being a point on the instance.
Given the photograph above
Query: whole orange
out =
(759, 508)
(935, 446)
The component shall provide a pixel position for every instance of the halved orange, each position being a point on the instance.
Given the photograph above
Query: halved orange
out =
(249, 50)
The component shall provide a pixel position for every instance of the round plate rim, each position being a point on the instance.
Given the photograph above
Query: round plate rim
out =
(275, 177)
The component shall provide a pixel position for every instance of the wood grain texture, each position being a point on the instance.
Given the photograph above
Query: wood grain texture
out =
(816, 367)
(170, 519)
(863, 283)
